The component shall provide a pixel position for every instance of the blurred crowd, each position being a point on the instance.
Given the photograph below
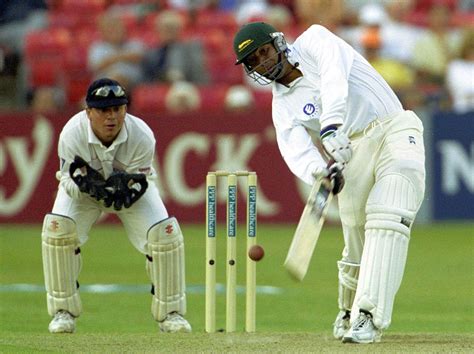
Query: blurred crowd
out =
(176, 55)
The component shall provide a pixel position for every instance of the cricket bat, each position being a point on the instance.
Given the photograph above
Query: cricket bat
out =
(307, 232)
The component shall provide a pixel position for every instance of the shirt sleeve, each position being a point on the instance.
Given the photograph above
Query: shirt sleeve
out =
(300, 154)
(333, 58)
(143, 148)
(142, 161)
(66, 157)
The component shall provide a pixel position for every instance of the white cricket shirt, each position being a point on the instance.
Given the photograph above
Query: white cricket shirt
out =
(338, 87)
(132, 151)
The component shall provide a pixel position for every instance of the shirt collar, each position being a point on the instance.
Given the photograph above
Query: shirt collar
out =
(293, 57)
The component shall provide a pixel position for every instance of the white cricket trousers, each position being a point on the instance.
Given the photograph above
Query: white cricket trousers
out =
(386, 172)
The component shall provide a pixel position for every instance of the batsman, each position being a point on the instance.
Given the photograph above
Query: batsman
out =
(321, 84)
(106, 157)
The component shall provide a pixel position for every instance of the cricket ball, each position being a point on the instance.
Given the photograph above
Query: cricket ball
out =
(256, 252)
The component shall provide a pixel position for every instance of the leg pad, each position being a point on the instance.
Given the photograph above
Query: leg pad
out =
(391, 209)
(166, 268)
(61, 264)
(348, 278)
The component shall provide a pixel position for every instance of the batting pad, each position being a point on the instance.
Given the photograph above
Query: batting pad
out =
(348, 278)
(391, 209)
(61, 264)
(166, 268)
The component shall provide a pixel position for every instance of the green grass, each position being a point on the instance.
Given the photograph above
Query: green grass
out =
(433, 309)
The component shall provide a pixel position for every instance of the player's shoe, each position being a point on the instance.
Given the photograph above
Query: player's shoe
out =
(174, 323)
(62, 322)
(363, 330)
(342, 324)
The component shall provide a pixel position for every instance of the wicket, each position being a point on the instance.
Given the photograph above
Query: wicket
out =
(231, 266)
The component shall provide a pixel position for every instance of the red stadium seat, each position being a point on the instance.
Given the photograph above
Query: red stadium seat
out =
(215, 41)
(48, 42)
(213, 96)
(223, 70)
(76, 85)
(149, 97)
(45, 55)
(72, 21)
(45, 71)
(263, 98)
(215, 19)
(83, 6)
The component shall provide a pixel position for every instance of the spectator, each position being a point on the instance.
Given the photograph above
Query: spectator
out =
(281, 18)
(397, 74)
(328, 13)
(47, 100)
(115, 56)
(370, 17)
(465, 5)
(239, 98)
(174, 59)
(182, 97)
(435, 48)
(460, 76)
(250, 10)
(139, 9)
(187, 4)
(17, 18)
(398, 38)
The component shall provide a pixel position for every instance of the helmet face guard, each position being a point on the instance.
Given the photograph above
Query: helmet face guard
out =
(271, 74)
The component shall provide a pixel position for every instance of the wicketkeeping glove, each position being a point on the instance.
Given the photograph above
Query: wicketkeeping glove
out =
(92, 182)
(337, 144)
(124, 189)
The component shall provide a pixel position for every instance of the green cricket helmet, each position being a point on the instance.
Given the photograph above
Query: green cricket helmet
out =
(252, 36)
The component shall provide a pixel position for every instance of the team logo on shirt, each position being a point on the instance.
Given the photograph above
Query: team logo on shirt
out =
(309, 109)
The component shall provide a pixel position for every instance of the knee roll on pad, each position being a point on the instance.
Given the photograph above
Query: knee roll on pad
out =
(166, 268)
(348, 278)
(61, 264)
(392, 204)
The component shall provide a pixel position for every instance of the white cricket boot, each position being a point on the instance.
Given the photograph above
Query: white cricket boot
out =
(63, 322)
(174, 323)
(363, 330)
(342, 324)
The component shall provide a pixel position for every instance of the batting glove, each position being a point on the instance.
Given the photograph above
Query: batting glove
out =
(332, 173)
(337, 144)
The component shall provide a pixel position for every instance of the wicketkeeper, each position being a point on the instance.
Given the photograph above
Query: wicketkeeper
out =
(322, 84)
(106, 159)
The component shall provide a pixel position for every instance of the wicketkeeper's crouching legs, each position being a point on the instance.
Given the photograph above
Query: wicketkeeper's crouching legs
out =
(61, 265)
(166, 268)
